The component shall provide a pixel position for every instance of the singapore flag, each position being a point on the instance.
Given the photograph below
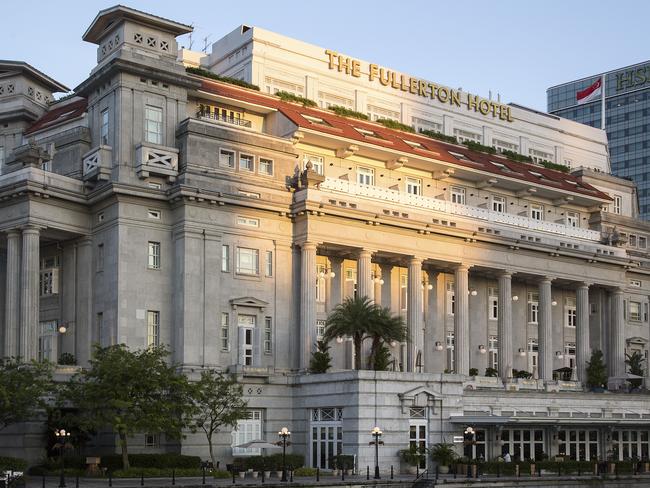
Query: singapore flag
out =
(590, 93)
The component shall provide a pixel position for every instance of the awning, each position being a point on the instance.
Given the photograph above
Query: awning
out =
(497, 420)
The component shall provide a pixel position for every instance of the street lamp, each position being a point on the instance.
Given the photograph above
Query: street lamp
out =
(376, 433)
(284, 435)
(62, 442)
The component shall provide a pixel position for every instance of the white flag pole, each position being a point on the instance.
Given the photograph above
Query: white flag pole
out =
(602, 99)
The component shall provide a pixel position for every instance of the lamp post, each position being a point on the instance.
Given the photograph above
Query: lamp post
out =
(376, 433)
(62, 442)
(284, 435)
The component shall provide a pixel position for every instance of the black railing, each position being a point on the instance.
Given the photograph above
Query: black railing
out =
(223, 118)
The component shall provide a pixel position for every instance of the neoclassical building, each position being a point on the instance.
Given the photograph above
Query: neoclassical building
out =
(156, 206)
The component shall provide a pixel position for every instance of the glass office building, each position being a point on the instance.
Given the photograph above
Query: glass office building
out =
(627, 120)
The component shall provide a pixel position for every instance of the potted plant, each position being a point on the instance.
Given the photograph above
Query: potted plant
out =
(334, 464)
(491, 372)
(346, 462)
(461, 465)
(444, 455)
(473, 371)
(265, 465)
(412, 457)
(596, 372)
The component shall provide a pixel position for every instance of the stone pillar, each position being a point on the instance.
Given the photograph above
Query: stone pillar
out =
(386, 288)
(461, 319)
(504, 325)
(307, 303)
(545, 330)
(583, 348)
(617, 338)
(335, 295)
(365, 285)
(12, 294)
(29, 294)
(377, 285)
(84, 323)
(414, 312)
(433, 325)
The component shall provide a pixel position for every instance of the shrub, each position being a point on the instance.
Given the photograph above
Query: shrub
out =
(290, 97)
(12, 463)
(346, 112)
(220, 474)
(443, 454)
(515, 156)
(305, 472)
(521, 374)
(393, 124)
(473, 371)
(555, 166)
(225, 79)
(596, 370)
(275, 461)
(67, 359)
(439, 136)
(342, 461)
(491, 372)
(113, 462)
(156, 472)
(475, 146)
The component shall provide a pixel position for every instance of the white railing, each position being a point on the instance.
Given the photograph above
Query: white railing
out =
(379, 193)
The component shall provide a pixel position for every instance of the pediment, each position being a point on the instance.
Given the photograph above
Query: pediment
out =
(420, 396)
(636, 340)
(250, 302)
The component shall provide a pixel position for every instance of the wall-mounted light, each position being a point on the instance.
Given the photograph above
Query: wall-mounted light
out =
(428, 286)
(522, 352)
(376, 278)
(393, 343)
(63, 329)
(438, 346)
(481, 349)
(515, 298)
(472, 292)
(554, 303)
(326, 273)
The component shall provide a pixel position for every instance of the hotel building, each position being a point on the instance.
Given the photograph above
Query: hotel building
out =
(156, 206)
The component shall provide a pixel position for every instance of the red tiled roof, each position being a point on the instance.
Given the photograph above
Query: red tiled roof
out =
(59, 115)
(394, 139)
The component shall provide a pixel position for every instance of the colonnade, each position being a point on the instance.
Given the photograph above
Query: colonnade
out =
(415, 319)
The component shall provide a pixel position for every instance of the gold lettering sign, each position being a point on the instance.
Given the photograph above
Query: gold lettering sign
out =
(416, 86)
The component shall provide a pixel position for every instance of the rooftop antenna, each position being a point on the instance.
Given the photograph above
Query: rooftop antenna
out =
(489, 94)
(190, 36)
(205, 43)
(499, 97)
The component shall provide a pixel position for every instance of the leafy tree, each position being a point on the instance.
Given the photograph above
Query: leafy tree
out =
(23, 387)
(321, 360)
(217, 401)
(381, 359)
(635, 364)
(596, 370)
(361, 319)
(131, 392)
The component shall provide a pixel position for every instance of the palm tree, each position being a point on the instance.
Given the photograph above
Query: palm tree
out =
(361, 319)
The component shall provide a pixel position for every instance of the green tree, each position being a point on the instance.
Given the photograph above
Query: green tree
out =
(635, 364)
(217, 401)
(385, 329)
(381, 358)
(596, 370)
(23, 388)
(321, 360)
(131, 392)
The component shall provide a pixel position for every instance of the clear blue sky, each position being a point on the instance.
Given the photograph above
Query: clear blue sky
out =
(517, 48)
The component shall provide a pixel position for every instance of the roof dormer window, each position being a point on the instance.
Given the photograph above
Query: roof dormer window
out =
(316, 120)
(368, 133)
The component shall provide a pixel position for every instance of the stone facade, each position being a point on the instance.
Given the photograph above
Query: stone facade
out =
(157, 207)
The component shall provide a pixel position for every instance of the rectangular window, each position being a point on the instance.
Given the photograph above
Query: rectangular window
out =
(154, 214)
(320, 329)
(572, 219)
(227, 158)
(49, 281)
(320, 283)
(498, 204)
(493, 351)
(246, 327)
(248, 261)
(225, 331)
(153, 125)
(536, 211)
(533, 307)
(317, 163)
(248, 429)
(450, 343)
(618, 204)
(246, 162)
(152, 440)
(451, 298)
(225, 258)
(248, 221)
(645, 312)
(632, 240)
(458, 195)
(493, 303)
(154, 255)
(103, 129)
(403, 288)
(266, 166)
(643, 242)
(570, 312)
(413, 186)
(103, 334)
(269, 263)
(365, 176)
(268, 335)
(153, 328)
(2, 156)
(47, 341)
(635, 311)
(100, 257)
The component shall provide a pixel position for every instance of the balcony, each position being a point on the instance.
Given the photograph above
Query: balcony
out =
(434, 204)
(156, 160)
(97, 164)
(205, 115)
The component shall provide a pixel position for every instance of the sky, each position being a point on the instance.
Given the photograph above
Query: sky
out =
(514, 48)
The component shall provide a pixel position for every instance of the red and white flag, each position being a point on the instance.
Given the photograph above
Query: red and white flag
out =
(590, 93)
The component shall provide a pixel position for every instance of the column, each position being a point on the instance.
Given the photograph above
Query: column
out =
(583, 348)
(504, 325)
(545, 330)
(29, 294)
(307, 302)
(335, 295)
(414, 312)
(433, 326)
(461, 319)
(12, 294)
(365, 285)
(386, 288)
(617, 338)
